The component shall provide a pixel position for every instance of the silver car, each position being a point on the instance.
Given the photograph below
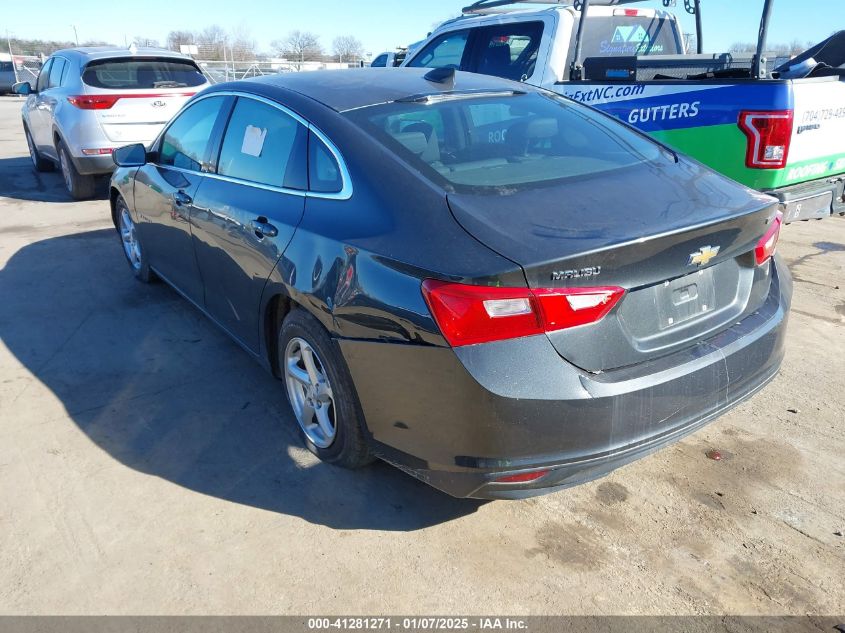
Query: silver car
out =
(89, 101)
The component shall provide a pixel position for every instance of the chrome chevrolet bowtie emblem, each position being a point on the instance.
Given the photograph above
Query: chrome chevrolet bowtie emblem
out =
(158, 104)
(703, 256)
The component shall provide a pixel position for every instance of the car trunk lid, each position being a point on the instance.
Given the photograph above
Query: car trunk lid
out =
(679, 238)
(133, 97)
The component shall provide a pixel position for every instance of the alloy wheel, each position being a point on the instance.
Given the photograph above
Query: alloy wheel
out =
(33, 155)
(63, 162)
(131, 246)
(310, 393)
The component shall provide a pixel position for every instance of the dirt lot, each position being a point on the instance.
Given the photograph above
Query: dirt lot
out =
(148, 466)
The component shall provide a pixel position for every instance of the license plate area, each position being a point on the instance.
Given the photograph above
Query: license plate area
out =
(686, 298)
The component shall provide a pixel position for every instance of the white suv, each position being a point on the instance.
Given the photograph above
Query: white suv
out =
(89, 101)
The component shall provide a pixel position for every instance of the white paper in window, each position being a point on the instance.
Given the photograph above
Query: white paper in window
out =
(253, 141)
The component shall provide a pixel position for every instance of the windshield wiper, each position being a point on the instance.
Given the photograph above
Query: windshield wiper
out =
(169, 84)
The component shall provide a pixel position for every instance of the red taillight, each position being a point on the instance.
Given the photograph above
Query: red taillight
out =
(769, 135)
(106, 101)
(768, 244)
(93, 102)
(522, 478)
(630, 13)
(468, 315)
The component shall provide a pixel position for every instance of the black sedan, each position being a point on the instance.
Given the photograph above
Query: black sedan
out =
(498, 290)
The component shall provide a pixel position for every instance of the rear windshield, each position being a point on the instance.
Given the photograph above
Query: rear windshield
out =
(614, 36)
(513, 141)
(134, 73)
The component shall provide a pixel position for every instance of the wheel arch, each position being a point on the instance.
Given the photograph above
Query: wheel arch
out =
(277, 307)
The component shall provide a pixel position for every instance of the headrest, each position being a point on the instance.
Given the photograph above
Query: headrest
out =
(541, 128)
(414, 142)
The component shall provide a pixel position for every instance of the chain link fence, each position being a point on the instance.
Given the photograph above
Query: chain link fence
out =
(221, 71)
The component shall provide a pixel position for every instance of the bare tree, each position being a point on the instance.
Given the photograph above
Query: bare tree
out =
(242, 45)
(142, 40)
(301, 45)
(175, 39)
(348, 48)
(213, 41)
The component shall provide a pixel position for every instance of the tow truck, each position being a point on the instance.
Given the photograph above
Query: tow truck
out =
(775, 125)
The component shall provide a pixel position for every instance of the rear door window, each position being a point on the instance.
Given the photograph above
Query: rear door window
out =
(142, 74)
(186, 143)
(508, 51)
(628, 36)
(6, 67)
(446, 51)
(264, 145)
(44, 76)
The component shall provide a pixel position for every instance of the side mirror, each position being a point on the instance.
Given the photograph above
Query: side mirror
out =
(130, 155)
(22, 88)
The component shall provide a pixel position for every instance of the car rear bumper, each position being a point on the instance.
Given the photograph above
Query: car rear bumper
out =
(94, 165)
(459, 419)
(812, 200)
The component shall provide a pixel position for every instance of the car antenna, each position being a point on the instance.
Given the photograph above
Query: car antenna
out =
(441, 76)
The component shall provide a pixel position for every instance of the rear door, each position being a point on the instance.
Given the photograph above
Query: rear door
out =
(138, 95)
(165, 191)
(244, 218)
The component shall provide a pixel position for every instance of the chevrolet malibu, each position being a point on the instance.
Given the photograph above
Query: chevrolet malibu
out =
(499, 291)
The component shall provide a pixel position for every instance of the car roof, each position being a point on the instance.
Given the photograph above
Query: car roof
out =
(89, 53)
(344, 90)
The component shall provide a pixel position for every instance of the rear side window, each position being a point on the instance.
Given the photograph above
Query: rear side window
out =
(509, 51)
(185, 144)
(445, 51)
(628, 36)
(139, 74)
(380, 61)
(264, 145)
(6, 67)
(323, 171)
(57, 72)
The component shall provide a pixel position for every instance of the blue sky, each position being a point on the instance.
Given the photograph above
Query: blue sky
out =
(379, 24)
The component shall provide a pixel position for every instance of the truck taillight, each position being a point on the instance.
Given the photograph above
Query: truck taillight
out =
(769, 135)
(468, 314)
(630, 13)
(768, 244)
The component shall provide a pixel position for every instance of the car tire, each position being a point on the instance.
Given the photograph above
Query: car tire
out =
(78, 186)
(39, 163)
(134, 252)
(348, 447)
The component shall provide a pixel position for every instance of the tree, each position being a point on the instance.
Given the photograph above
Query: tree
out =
(175, 39)
(301, 45)
(348, 48)
(142, 40)
(242, 45)
(213, 41)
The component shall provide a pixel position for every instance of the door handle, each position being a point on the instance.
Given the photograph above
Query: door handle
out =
(181, 198)
(262, 228)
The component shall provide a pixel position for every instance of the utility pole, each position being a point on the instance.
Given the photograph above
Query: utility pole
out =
(12, 56)
(75, 34)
